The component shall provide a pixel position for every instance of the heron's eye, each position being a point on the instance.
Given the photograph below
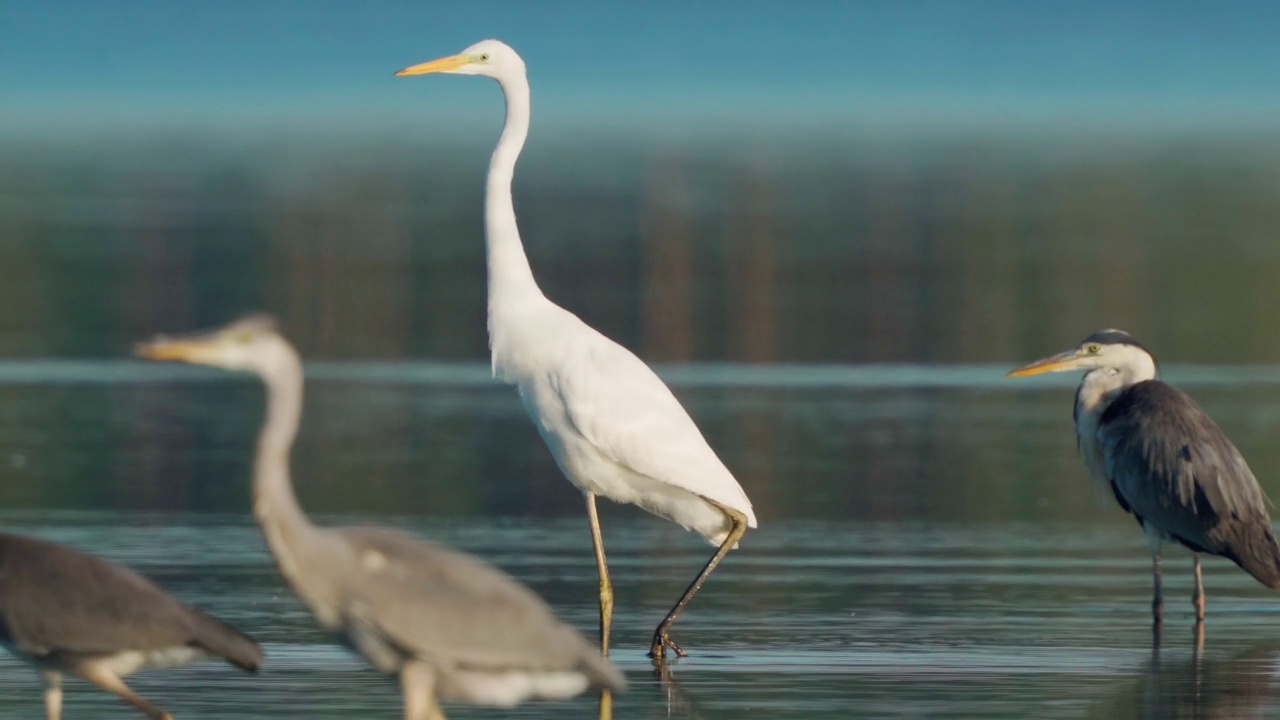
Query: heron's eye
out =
(1093, 349)
(484, 57)
(242, 337)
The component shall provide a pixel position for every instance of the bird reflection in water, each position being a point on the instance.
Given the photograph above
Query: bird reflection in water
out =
(1201, 686)
(678, 703)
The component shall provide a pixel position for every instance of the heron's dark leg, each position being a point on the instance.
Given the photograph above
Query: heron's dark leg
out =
(1197, 596)
(606, 598)
(111, 682)
(661, 637)
(1157, 598)
(418, 685)
(52, 694)
(602, 568)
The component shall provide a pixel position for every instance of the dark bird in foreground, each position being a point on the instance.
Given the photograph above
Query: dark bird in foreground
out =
(449, 625)
(64, 611)
(1165, 461)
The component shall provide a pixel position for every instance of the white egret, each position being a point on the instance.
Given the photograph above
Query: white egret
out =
(614, 428)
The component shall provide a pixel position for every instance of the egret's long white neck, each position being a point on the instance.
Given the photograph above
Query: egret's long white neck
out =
(511, 283)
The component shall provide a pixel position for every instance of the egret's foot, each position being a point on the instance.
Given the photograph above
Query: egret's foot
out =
(662, 641)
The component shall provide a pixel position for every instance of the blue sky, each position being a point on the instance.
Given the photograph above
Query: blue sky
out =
(245, 64)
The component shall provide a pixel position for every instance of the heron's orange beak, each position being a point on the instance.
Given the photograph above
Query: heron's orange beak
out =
(1061, 362)
(444, 64)
(163, 348)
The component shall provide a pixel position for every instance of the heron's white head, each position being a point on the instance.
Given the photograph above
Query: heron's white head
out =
(251, 343)
(492, 58)
(1112, 350)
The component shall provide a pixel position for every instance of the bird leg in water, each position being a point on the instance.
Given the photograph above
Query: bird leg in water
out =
(1197, 596)
(52, 694)
(606, 599)
(1157, 599)
(417, 683)
(661, 637)
(109, 681)
(602, 567)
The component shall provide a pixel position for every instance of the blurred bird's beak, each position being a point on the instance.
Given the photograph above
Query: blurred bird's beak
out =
(1061, 362)
(444, 64)
(163, 348)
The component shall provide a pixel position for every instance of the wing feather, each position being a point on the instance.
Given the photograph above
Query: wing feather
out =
(1174, 468)
(54, 598)
(430, 601)
(616, 401)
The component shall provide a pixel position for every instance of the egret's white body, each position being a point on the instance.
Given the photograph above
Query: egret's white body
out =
(614, 428)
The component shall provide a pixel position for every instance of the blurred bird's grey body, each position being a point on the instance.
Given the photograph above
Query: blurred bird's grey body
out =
(450, 626)
(64, 611)
(1154, 450)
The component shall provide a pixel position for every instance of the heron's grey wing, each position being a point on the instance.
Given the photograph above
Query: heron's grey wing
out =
(1174, 468)
(433, 602)
(57, 599)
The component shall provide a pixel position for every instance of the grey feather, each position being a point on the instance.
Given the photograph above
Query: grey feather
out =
(57, 602)
(1172, 467)
(413, 593)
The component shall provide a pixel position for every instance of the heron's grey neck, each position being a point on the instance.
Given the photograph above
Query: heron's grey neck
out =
(511, 283)
(274, 504)
(1103, 385)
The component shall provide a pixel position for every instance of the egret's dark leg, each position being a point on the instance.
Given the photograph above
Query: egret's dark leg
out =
(418, 685)
(52, 694)
(661, 637)
(1197, 596)
(111, 682)
(1157, 599)
(606, 598)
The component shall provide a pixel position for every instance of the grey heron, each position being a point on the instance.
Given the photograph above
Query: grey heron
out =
(614, 428)
(1165, 461)
(67, 612)
(448, 625)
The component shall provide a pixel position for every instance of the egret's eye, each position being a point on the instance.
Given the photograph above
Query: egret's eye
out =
(242, 337)
(1092, 348)
(484, 57)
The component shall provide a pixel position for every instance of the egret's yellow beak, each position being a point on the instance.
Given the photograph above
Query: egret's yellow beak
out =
(163, 348)
(1068, 360)
(444, 64)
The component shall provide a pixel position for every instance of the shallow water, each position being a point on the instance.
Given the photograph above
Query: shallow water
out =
(927, 544)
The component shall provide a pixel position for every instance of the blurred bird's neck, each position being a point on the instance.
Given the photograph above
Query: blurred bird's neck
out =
(274, 504)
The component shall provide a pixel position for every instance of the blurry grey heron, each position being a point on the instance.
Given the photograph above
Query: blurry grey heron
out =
(449, 625)
(614, 428)
(1152, 448)
(65, 611)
